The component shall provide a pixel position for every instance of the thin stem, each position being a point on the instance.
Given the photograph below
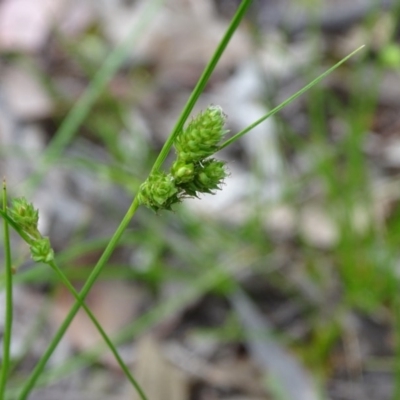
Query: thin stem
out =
(286, 102)
(9, 301)
(201, 84)
(121, 363)
(29, 384)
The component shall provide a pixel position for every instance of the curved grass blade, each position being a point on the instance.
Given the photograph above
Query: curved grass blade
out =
(83, 106)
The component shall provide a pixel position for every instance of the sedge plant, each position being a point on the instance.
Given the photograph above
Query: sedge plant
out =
(194, 171)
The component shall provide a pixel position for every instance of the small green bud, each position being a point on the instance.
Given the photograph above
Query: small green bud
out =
(41, 250)
(201, 137)
(209, 175)
(158, 192)
(182, 171)
(25, 215)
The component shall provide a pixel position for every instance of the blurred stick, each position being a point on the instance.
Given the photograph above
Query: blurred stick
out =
(287, 379)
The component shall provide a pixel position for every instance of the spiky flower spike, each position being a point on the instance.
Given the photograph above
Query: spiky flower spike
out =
(41, 251)
(201, 137)
(208, 176)
(192, 172)
(26, 217)
(158, 192)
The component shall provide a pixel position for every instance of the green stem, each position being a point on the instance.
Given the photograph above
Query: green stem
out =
(29, 384)
(289, 100)
(201, 84)
(9, 301)
(103, 334)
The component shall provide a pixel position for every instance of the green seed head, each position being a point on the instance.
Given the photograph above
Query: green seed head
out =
(158, 192)
(41, 250)
(212, 174)
(201, 137)
(25, 215)
(182, 171)
(209, 176)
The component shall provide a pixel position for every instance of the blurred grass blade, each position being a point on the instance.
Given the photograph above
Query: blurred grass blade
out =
(287, 379)
(83, 106)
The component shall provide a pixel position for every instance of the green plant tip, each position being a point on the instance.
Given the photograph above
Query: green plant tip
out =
(25, 215)
(208, 176)
(41, 251)
(202, 136)
(158, 192)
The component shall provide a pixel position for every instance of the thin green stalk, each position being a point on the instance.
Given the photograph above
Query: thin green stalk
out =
(9, 302)
(289, 100)
(103, 334)
(29, 384)
(201, 84)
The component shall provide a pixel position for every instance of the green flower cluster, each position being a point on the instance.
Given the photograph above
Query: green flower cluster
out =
(193, 172)
(158, 192)
(26, 218)
(201, 137)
